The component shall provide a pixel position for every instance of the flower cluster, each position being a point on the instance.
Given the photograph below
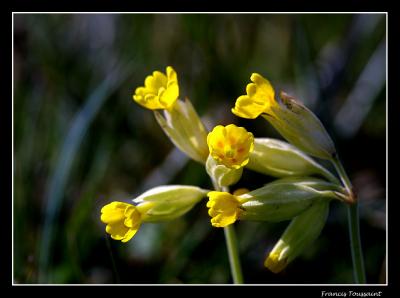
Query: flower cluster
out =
(296, 194)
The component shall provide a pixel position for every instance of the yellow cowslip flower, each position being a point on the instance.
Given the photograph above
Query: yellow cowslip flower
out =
(122, 219)
(161, 203)
(230, 145)
(224, 208)
(259, 99)
(160, 91)
(280, 200)
(295, 122)
(177, 118)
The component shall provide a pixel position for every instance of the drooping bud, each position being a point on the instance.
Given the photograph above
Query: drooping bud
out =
(298, 236)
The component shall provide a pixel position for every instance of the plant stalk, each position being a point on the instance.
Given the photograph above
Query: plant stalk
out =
(232, 246)
(234, 261)
(354, 225)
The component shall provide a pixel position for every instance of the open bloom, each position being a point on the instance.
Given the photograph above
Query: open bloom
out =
(177, 118)
(282, 199)
(230, 145)
(259, 99)
(224, 208)
(160, 91)
(160, 203)
(122, 219)
(295, 122)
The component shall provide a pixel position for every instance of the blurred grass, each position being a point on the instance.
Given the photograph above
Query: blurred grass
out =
(60, 60)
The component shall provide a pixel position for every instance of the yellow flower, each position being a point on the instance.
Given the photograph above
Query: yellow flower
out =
(295, 122)
(160, 91)
(224, 208)
(123, 220)
(161, 203)
(259, 99)
(230, 145)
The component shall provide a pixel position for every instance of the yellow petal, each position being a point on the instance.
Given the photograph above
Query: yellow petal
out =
(251, 89)
(128, 236)
(132, 217)
(117, 231)
(224, 208)
(263, 84)
(260, 97)
(160, 91)
(139, 93)
(156, 81)
(113, 212)
(230, 145)
(171, 75)
(170, 95)
(245, 107)
(122, 219)
(223, 220)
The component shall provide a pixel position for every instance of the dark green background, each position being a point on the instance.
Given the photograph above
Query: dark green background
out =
(80, 141)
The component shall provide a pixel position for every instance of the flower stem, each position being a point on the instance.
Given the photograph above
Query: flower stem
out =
(354, 225)
(234, 261)
(231, 245)
(355, 242)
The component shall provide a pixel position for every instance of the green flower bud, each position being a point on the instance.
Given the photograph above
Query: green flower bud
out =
(221, 174)
(286, 198)
(185, 129)
(298, 236)
(280, 159)
(301, 127)
(168, 202)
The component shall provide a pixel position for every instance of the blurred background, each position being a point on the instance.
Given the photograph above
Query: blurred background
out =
(81, 142)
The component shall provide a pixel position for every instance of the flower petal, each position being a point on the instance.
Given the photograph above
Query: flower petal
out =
(160, 91)
(260, 97)
(224, 208)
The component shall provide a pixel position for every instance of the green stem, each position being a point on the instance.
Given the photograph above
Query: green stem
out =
(355, 242)
(328, 175)
(342, 173)
(354, 226)
(231, 245)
